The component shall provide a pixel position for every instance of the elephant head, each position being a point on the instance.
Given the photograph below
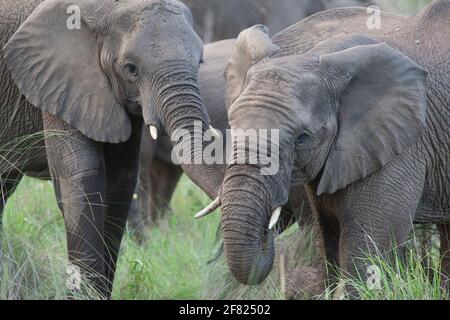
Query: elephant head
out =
(343, 111)
(93, 62)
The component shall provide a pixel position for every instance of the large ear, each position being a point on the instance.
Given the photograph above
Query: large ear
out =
(252, 46)
(381, 112)
(58, 70)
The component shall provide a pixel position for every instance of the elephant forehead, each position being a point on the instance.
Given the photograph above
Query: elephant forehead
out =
(130, 13)
(272, 75)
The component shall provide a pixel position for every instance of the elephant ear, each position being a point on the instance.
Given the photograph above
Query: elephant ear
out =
(381, 112)
(252, 46)
(58, 70)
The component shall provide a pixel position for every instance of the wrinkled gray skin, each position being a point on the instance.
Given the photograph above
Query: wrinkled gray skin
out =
(91, 90)
(214, 20)
(364, 118)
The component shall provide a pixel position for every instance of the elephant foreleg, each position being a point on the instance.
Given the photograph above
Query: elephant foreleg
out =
(77, 169)
(121, 166)
(376, 219)
(139, 217)
(328, 239)
(164, 177)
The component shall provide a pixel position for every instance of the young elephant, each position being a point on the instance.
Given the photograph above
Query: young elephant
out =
(363, 118)
(90, 73)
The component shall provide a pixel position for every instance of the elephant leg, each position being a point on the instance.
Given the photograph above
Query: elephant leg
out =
(328, 239)
(139, 217)
(444, 232)
(77, 169)
(364, 238)
(121, 162)
(376, 217)
(164, 178)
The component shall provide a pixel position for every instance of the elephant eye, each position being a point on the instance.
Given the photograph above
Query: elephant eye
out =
(302, 138)
(131, 68)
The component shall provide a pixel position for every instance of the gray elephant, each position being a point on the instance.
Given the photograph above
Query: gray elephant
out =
(88, 74)
(363, 119)
(214, 20)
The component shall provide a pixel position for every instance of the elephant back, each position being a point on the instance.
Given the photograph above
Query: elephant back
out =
(307, 33)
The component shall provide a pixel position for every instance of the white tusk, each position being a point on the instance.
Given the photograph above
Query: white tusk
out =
(209, 209)
(274, 218)
(154, 132)
(216, 133)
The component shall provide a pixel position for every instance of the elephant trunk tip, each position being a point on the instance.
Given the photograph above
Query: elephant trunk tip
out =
(253, 266)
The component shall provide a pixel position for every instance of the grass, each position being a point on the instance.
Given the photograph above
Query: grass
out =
(169, 265)
(407, 280)
(173, 263)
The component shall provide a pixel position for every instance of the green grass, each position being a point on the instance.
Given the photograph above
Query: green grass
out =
(402, 279)
(173, 263)
(170, 265)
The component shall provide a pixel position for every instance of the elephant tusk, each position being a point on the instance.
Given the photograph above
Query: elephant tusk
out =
(274, 218)
(154, 132)
(216, 133)
(209, 209)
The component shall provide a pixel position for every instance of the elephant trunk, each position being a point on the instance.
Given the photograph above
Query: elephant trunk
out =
(248, 242)
(182, 110)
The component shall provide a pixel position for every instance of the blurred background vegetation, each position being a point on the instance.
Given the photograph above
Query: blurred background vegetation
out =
(173, 262)
(403, 6)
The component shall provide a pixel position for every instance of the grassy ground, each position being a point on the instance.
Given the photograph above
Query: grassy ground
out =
(170, 265)
(173, 263)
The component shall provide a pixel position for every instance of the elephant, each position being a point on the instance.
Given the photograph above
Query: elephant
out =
(79, 79)
(215, 20)
(362, 116)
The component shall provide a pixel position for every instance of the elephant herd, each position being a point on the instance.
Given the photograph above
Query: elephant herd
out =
(361, 115)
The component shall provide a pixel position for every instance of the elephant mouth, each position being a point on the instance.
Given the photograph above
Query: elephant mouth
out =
(134, 108)
(217, 203)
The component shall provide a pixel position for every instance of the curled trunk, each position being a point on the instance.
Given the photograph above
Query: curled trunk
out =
(248, 242)
(182, 109)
